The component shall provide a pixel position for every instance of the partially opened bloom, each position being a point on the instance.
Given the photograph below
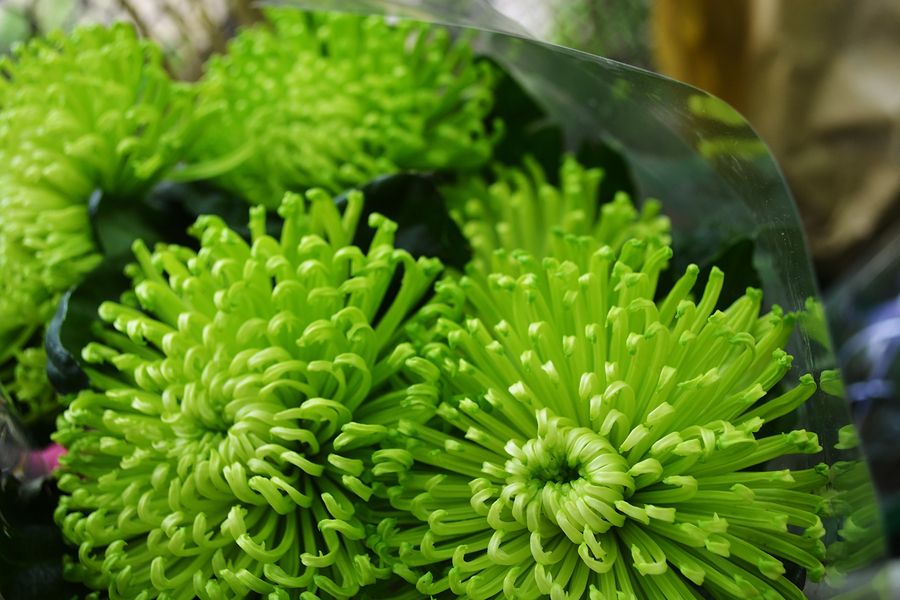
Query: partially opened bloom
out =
(94, 110)
(521, 210)
(218, 454)
(591, 442)
(333, 101)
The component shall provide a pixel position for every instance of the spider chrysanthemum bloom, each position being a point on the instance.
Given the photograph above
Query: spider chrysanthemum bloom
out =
(593, 443)
(93, 110)
(218, 455)
(521, 210)
(333, 101)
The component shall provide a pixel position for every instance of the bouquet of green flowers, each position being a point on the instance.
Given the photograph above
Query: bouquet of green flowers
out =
(378, 308)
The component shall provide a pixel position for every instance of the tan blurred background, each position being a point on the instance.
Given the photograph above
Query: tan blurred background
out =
(819, 79)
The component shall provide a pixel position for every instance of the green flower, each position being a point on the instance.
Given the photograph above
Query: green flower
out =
(334, 101)
(25, 378)
(522, 211)
(590, 442)
(95, 110)
(220, 455)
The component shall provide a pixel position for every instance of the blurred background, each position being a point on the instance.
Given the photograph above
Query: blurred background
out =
(188, 32)
(818, 79)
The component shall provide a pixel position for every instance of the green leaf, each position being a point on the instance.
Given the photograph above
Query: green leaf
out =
(735, 258)
(117, 224)
(709, 247)
(63, 370)
(201, 198)
(616, 172)
(424, 226)
(527, 128)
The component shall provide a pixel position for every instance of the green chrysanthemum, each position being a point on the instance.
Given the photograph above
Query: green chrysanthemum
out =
(333, 101)
(591, 442)
(522, 211)
(94, 110)
(220, 458)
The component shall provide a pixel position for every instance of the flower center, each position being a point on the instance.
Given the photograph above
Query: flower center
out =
(566, 479)
(557, 472)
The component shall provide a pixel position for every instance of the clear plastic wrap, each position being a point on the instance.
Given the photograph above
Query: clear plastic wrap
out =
(863, 313)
